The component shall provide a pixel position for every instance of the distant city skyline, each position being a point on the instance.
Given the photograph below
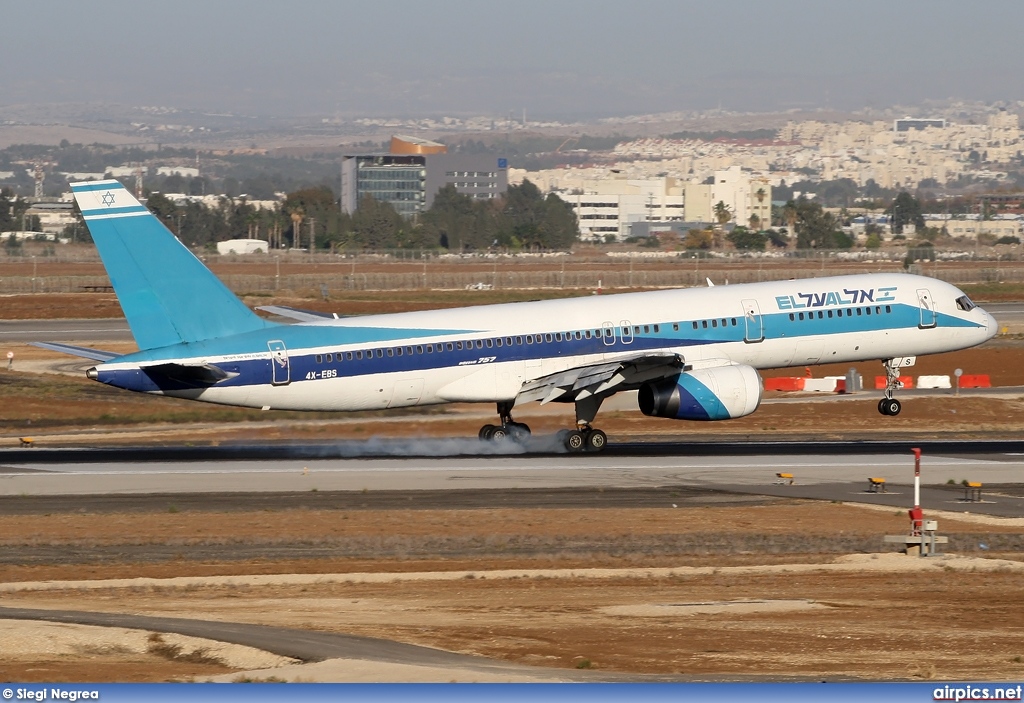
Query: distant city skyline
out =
(557, 60)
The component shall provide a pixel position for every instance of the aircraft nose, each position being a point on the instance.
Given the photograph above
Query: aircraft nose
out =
(991, 326)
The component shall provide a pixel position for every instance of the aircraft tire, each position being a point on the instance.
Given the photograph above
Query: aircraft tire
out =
(893, 407)
(575, 441)
(518, 431)
(485, 432)
(882, 406)
(596, 441)
(499, 434)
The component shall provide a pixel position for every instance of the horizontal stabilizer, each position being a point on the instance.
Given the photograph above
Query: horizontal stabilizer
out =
(84, 352)
(297, 314)
(188, 374)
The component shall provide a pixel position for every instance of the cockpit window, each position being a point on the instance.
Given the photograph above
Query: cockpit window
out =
(965, 303)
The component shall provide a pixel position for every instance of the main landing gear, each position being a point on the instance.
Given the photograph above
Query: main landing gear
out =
(585, 438)
(889, 405)
(582, 439)
(508, 429)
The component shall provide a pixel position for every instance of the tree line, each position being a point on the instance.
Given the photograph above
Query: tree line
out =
(310, 218)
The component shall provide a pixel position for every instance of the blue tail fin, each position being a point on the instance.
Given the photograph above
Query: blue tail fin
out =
(167, 294)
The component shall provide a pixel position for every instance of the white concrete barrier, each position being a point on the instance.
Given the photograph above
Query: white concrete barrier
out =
(933, 382)
(821, 385)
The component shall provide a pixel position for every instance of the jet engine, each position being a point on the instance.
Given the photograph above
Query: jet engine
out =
(719, 393)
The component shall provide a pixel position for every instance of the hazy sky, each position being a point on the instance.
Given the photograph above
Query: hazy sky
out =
(552, 57)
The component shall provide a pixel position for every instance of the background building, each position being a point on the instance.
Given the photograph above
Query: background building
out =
(743, 195)
(614, 207)
(411, 172)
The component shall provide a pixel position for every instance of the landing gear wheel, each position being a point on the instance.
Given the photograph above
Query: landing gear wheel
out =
(892, 407)
(881, 406)
(499, 434)
(596, 440)
(518, 431)
(486, 432)
(575, 441)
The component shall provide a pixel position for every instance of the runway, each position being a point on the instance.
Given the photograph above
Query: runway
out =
(826, 471)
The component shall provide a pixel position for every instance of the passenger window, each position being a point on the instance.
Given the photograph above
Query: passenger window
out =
(547, 337)
(579, 335)
(694, 324)
(380, 353)
(791, 317)
(348, 356)
(608, 332)
(657, 328)
(888, 308)
(588, 334)
(734, 322)
(636, 329)
(867, 311)
(647, 328)
(319, 359)
(490, 343)
(714, 323)
(419, 348)
(821, 315)
(450, 347)
(391, 352)
(519, 340)
(704, 324)
(330, 358)
(399, 350)
(430, 348)
(830, 313)
(498, 341)
(859, 311)
(801, 316)
(458, 345)
(878, 309)
(508, 341)
(558, 336)
(675, 326)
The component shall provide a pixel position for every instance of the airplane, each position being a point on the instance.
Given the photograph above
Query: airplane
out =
(692, 354)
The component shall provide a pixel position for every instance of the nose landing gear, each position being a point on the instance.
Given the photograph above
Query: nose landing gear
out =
(889, 405)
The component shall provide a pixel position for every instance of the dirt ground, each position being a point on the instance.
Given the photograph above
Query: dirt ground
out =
(553, 588)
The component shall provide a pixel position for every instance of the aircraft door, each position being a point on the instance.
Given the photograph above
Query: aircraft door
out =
(608, 334)
(753, 323)
(627, 332)
(280, 366)
(927, 308)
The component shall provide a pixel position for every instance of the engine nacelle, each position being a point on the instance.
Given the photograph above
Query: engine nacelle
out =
(719, 393)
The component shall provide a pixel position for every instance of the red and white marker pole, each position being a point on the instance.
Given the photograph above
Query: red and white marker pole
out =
(916, 514)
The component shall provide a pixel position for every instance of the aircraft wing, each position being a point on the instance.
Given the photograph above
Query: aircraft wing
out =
(297, 314)
(84, 352)
(603, 378)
